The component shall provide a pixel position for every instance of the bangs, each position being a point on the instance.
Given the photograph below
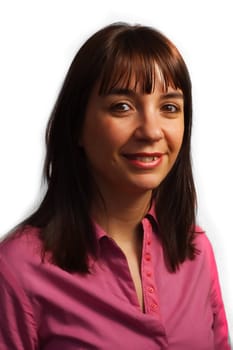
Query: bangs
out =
(131, 69)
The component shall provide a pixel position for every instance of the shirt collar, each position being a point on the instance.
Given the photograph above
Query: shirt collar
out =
(99, 230)
(151, 215)
(152, 211)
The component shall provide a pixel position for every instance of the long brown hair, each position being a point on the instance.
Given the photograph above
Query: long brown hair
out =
(112, 56)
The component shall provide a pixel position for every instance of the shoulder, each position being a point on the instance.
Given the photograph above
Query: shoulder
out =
(20, 324)
(20, 251)
(201, 241)
(21, 244)
(205, 254)
(201, 265)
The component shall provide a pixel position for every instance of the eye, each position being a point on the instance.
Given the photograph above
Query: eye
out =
(120, 107)
(171, 108)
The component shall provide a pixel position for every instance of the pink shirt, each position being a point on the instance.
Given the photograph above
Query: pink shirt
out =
(43, 307)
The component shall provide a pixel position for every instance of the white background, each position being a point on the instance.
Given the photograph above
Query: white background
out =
(38, 40)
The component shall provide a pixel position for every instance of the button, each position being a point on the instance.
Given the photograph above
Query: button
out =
(153, 307)
(148, 257)
(149, 242)
(149, 274)
(150, 289)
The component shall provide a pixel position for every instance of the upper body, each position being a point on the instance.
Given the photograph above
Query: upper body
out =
(118, 142)
(44, 307)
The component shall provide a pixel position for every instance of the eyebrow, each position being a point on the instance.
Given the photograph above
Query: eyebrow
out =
(176, 95)
(130, 92)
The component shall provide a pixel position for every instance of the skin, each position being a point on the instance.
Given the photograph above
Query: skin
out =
(123, 124)
(131, 141)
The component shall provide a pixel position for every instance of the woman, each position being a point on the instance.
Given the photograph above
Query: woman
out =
(112, 258)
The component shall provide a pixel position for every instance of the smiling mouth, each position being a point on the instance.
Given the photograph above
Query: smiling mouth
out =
(144, 159)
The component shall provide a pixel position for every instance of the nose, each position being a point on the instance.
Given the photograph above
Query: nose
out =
(149, 127)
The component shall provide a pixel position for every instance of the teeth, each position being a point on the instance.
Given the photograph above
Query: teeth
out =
(146, 159)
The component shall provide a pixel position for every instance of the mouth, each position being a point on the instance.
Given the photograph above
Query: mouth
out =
(144, 160)
(144, 157)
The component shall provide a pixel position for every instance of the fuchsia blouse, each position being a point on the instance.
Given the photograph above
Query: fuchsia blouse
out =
(43, 307)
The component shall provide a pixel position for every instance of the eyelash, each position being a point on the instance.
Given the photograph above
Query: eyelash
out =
(168, 106)
(118, 107)
(124, 107)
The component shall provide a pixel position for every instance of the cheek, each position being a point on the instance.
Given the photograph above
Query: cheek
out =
(112, 134)
(114, 137)
(101, 139)
(180, 136)
(175, 137)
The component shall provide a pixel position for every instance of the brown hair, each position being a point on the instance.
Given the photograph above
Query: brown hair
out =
(112, 56)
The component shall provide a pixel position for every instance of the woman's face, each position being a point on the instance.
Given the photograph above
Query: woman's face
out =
(131, 139)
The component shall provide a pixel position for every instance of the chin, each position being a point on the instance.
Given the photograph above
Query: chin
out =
(140, 187)
(148, 183)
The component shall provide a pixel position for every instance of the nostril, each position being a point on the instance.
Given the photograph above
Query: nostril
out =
(148, 133)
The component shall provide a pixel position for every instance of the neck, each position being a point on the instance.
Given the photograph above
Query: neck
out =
(120, 215)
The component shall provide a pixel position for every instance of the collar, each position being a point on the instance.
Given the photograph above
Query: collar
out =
(151, 216)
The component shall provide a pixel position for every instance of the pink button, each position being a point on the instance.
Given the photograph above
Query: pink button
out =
(149, 242)
(149, 274)
(148, 257)
(153, 307)
(150, 289)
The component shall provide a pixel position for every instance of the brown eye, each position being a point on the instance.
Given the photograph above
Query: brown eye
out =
(171, 108)
(120, 107)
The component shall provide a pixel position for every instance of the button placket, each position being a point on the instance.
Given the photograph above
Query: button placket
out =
(149, 288)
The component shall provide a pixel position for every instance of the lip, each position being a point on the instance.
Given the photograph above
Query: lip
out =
(142, 160)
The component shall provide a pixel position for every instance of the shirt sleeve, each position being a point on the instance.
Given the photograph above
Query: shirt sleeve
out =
(221, 336)
(17, 325)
